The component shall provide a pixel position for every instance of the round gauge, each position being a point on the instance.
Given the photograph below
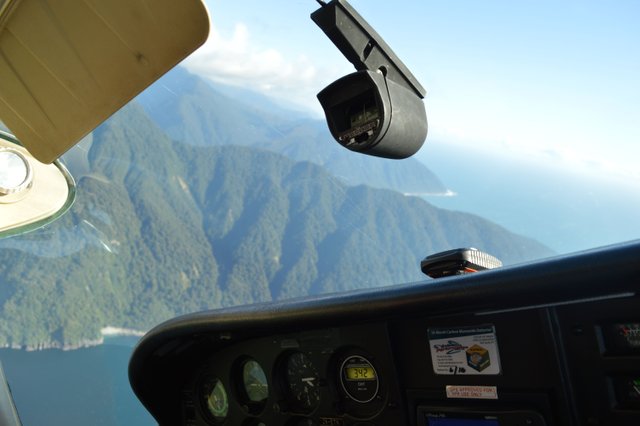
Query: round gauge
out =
(301, 382)
(16, 175)
(359, 379)
(215, 399)
(254, 382)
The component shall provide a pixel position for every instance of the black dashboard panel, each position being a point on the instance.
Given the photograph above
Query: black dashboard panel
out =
(308, 389)
(555, 342)
(604, 371)
(529, 377)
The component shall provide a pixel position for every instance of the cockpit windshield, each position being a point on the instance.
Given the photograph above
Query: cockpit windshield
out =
(220, 185)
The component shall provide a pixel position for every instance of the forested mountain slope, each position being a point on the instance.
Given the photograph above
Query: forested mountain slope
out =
(162, 228)
(192, 111)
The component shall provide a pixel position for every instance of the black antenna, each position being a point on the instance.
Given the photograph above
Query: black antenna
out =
(322, 3)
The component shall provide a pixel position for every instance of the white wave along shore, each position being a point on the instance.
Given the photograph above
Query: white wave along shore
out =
(110, 331)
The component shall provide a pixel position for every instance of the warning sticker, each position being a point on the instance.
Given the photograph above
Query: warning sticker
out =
(472, 392)
(464, 350)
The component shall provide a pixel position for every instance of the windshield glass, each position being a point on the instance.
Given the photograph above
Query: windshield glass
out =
(220, 185)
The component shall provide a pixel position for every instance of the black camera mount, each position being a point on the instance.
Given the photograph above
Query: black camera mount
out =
(378, 110)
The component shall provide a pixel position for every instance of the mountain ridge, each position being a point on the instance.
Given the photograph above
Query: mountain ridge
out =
(162, 228)
(194, 112)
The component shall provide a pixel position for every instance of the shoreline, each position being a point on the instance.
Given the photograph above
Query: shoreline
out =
(110, 331)
(447, 193)
(105, 332)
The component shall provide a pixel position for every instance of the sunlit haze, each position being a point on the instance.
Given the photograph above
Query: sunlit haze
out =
(554, 81)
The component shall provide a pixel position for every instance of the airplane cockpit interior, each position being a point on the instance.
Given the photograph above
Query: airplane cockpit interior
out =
(553, 340)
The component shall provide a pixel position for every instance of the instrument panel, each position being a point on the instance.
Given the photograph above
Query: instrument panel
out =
(551, 343)
(496, 369)
(323, 377)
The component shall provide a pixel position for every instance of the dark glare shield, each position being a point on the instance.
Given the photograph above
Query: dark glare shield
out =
(370, 114)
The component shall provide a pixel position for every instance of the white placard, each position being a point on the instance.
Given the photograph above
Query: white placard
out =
(469, 350)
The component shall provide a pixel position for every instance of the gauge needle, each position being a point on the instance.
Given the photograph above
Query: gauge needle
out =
(308, 380)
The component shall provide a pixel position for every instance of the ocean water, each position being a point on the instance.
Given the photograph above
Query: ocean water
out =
(75, 388)
(565, 209)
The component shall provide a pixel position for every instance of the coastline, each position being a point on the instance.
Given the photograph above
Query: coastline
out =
(110, 331)
(105, 332)
(447, 193)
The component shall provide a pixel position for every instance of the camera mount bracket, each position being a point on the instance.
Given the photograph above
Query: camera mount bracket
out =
(362, 45)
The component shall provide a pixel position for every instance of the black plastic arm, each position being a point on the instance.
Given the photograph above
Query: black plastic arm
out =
(362, 45)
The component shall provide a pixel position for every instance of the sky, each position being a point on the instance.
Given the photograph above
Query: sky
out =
(546, 81)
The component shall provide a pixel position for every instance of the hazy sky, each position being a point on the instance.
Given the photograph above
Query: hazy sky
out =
(556, 81)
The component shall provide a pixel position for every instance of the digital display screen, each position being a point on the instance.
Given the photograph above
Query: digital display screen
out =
(360, 373)
(447, 421)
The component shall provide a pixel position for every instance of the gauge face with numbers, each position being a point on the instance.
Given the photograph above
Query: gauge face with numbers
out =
(301, 382)
(215, 399)
(359, 379)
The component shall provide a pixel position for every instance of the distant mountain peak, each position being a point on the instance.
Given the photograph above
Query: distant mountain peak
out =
(195, 112)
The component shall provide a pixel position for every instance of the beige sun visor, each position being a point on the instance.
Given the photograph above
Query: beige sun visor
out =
(67, 65)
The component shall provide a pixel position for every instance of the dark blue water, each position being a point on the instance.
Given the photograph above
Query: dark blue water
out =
(565, 209)
(80, 387)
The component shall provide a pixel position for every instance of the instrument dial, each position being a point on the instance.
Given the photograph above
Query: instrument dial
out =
(359, 379)
(301, 382)
(254, 388)
(215, 399)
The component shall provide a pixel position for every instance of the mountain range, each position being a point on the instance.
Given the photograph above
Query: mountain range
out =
(191, 110)
(189, 200)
